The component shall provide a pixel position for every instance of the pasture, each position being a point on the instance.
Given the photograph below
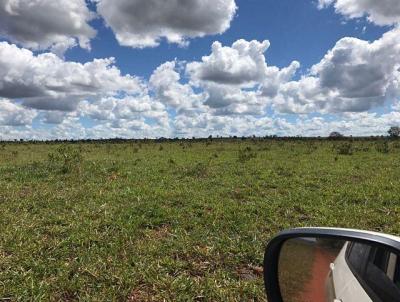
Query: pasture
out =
(177, 221)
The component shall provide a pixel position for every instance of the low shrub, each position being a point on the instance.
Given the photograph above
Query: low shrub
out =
(66, 159)
(199, 170)
(382, 147)
(345, 148)
(246, 154)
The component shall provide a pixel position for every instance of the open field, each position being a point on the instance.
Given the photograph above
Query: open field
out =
(177, 221)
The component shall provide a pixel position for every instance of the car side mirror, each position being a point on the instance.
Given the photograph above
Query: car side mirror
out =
(332, 265)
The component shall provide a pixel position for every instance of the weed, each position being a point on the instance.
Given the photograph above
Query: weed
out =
(66, 159)
(199, 170)
(246, 154)
(345, 148)
(396, 145)
(382, 147)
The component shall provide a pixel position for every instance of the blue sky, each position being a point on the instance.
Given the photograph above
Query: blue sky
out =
(287, 67)
(297, 30)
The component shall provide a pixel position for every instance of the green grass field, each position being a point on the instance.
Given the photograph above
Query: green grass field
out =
(177, 221)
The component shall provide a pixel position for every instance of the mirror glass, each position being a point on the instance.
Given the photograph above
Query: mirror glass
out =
(321, 270)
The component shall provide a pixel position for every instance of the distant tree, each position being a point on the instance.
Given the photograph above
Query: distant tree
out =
(335, 134)
(394, 131)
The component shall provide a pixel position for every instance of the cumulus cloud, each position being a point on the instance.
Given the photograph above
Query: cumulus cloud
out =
(237, 79)
(275, 77)
(47, 82)
(12, 114)
(143, 23)
(46, 24)
(241, 64)
(354, 76)
(227, 100)
(227, 93)
(166, 83)
(382, 12)
(54, 117)
(357, 124)
(125, 109)
(205, 124)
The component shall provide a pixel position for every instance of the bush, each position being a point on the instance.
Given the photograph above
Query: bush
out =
(382, 147)
(66, 159)
(246, 154)
(344, 149)
(199, 170)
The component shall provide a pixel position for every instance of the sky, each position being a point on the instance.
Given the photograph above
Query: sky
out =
(76, 69)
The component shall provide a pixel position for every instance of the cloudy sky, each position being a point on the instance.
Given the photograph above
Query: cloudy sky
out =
(183, 68)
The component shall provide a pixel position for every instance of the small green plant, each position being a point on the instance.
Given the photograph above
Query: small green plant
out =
(363, 148)
(66, 159)
(199, 170)
(396, 145)
(345, 148)
(311, 148)
(382, 147)
(246, 154)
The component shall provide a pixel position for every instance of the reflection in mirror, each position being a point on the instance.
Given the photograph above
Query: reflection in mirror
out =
(328, 270)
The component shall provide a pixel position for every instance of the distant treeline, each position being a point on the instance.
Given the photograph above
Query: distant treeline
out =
(194, 139)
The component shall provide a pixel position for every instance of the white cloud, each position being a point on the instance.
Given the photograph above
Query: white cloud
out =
(275, 77)
(237, 79)
(206, 124)
(55, 117)
(125, 109)
(226, 93)
(166, 83)
(227, 100)
(47, 82)
(12, 114)
(143, 23)
(241, 64)
(354, 76)
(380, 12)
(46, 24)
(357, 124)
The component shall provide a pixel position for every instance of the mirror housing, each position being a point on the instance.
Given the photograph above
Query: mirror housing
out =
(274, 248)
